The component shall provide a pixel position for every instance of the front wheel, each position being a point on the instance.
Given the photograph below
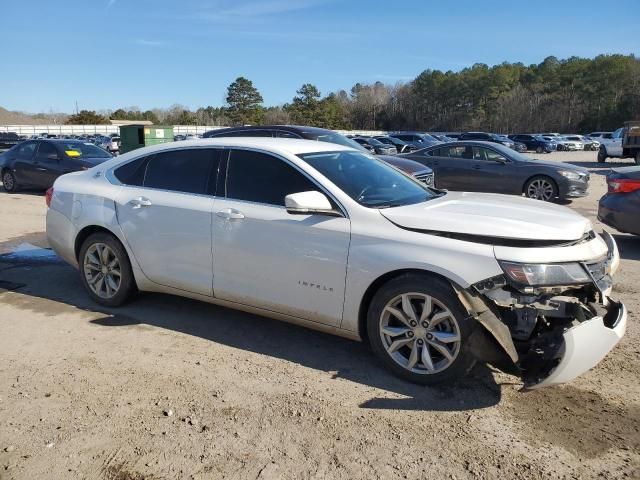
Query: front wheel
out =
(638, 157)
(105, 270)
(602, 155)
(419, 330)
(541, 188)
(539, 149)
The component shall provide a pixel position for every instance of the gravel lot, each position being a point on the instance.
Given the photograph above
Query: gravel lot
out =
(172, 388)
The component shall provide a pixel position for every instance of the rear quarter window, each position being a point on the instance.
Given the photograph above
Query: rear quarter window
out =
(132, 173)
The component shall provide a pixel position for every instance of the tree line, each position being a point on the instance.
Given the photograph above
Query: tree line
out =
(570, 95)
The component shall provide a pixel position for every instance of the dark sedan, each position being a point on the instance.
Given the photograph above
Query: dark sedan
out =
(491, 167)
(417, 139)
(488, 137)
(620, 206)
(535, 143)
(37, 163)
(401, 146)
(376, 146)
(320, 135)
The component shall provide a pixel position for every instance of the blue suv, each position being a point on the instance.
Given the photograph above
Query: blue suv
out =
(535, 142)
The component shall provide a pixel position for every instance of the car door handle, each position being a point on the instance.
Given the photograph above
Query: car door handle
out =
(477, 167)
(140, 202)
(230, 214)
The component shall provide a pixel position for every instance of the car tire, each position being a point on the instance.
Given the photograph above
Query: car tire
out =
(602, 155)
(408, 341)
(100, 269)
(542, 188)
(9, 181)
(539, 149)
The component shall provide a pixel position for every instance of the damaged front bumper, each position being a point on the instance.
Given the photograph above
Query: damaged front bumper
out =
(547, 335)
(583, 346)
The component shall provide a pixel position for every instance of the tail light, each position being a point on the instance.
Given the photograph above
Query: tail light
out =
(48, 196)
(623, 185)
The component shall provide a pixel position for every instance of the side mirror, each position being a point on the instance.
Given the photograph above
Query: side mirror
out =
(308, 203)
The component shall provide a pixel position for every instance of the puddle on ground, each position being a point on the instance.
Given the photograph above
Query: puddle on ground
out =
(26, 254)
(582, 422)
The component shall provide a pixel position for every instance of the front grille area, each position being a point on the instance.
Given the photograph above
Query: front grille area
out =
(426, 178)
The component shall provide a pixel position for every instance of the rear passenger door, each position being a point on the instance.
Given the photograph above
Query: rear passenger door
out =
(454, 168)
(23, 163)
(47, 165)
(165, 211)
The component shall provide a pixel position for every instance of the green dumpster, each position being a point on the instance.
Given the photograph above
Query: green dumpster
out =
(138, 136)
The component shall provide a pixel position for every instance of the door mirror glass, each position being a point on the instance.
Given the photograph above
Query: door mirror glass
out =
(305, 203)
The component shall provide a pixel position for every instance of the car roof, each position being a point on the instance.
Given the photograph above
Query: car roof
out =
(275, 145)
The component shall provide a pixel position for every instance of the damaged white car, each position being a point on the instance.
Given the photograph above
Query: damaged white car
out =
(331, 238)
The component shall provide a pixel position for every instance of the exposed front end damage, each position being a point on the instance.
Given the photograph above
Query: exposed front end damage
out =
(549, 333)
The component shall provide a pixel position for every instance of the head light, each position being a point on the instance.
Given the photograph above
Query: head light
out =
(539, 274)
(570, 175)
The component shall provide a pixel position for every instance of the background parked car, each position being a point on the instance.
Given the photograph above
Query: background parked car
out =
(492, 167)
(600, 135)
(400, 145)
(535, 143)
(417, 139)
(8, 140)
(310, 133)
(376, 146)
(37, 163)
(487, 137)
(620, 206)
(577, 140)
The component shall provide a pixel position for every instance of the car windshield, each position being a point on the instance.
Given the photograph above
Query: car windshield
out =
(80, 150)
(374, 142)
(369, 181)
(540, 138)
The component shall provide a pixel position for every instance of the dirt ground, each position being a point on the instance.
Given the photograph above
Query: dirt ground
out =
(173, 388)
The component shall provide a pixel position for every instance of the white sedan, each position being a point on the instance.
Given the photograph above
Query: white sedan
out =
(332, 238)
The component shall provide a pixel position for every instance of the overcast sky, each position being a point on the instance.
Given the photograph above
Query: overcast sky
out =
(153, 53)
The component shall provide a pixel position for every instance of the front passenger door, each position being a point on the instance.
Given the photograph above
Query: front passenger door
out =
(264, 256)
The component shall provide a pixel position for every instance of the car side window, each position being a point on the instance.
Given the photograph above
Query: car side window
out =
(46, 152)
(480, 153)
(462, 152)
(185, 171)
(25, 152)
(132, 173)
(261, 178)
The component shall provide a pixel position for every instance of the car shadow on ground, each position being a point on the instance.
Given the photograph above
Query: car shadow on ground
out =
(340, 358)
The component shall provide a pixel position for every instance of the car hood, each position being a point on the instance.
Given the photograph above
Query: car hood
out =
(558, 165)
(491, 215)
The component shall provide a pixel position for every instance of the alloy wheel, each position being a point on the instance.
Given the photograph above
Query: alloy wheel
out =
(420, 333)
(540, 189)
(102, 270)
(7, 181)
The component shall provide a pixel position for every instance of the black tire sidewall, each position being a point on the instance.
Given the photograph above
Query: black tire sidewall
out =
(127, 285)
(539, 150)
(439, 289)
(602, 155)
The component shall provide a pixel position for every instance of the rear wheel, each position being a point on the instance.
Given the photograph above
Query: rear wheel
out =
(9, 181)
(638, 157)
(539, 149)
(541, 188)
(419, 330)
(602, 154)
(105, 270)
